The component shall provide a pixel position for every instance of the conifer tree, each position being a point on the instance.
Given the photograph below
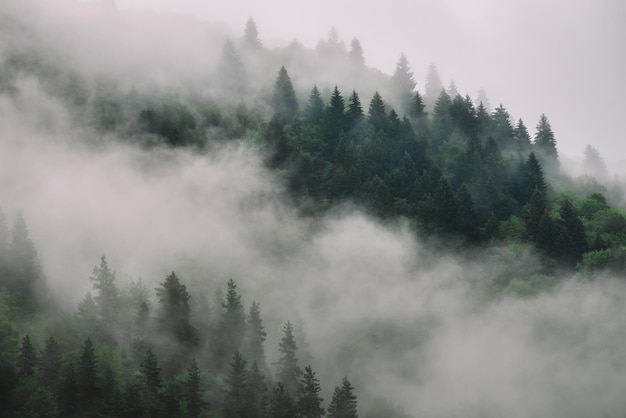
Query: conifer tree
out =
(537, 207)
(69, 391)
(573, 239)
(175, 311)
(441, 119)
(88, 382)
(230, 71)
(27, 359)
(24, 267)
(434, 86)
(193, 390)
(377, 115)
(310, 402)
(355, 55)
(282, 404)
(288, 370)
(232, 323)
(107, 294)
(531, 178)
(403, 84)
(344, 402)
(416, 110)
(521, 137)
(545, 143)
(315, 107)
(237, 397)
(354, 115)
(50, 365)
(502, 130)
(255, 336)
(468, 220)
(251, 35)
(258, 392)
(284, 99)
(150, 382)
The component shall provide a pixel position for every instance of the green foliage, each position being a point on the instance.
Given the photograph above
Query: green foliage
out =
(284, 99)
(532, 286)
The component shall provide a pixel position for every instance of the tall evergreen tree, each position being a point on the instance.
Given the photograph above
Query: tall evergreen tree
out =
(150, 382)
(344, 402)
(175, 311)
(545, 144)
(107, 295)
(572, 241)
(288, 370)
(255, 336)
(315, 107)
(230, 71)
(377, 115)
(531, 178)
(258, 392)
(441, 118)
(282, 404)
(434, 86)
(310, 402)
(356, 54)
(537, 208)
(403, 84)
(50, 365)
(237, 396)
(502, 130)
(284, 99)
(27, 359)
(416, 110)
(251, 35)
(193, 390)
(88, 382)
(354, 116)
(232, 324)
(24, 267)
(522, 137)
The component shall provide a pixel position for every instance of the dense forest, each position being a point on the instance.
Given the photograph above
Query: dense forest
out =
(464, 179)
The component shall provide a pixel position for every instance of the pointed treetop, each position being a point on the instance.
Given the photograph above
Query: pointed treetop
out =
(251, 35)
(356, 53)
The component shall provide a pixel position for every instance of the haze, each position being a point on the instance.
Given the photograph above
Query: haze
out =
(409, 325)
(564, 59)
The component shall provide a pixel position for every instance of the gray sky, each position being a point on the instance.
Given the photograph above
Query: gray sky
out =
(562, 58)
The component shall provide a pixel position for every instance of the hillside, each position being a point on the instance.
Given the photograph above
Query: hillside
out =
(279, 222)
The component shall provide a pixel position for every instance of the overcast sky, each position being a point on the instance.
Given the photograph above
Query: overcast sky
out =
(566, 59)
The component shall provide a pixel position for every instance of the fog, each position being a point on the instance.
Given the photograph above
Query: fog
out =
(554, 57)
(408, 325)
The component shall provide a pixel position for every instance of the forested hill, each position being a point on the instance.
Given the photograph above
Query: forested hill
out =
(338, 137)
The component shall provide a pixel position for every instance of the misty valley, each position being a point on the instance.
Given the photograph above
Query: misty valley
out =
(196, 224)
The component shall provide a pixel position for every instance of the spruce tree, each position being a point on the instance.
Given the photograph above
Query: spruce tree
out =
(434, 86)
(193, 390)
(310, 403)
(230, 71)
(89, 388)
(255, 336)
(288, 370)
(232, 324)
(237, 399)
(545, 144)
(355, 56)
(344, 402)
(403, 84)
(27, 359)
(175, 310)
(315, 107)
(284, 99)
(106, 294)
(50, 365)
(521, 137)
(150, 382)
(251, 36)
(258, 392)
(24, 267)
(377, 115)
(282, 404)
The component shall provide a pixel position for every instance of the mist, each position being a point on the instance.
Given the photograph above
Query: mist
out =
(411, 325)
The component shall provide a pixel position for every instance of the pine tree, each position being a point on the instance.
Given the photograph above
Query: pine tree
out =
(531, 178)
(27, 359)
(288, 370)
(50, 365)
(521, 137)
(251, 36)
(150, 382)
(193, 390)
(377, 115)
(237, 398)
(107, 295)
(282, 404)
(355, 55)
(255, 336)
(315, 108)
(284, 99)
(403, 84)
(502, 130)
(344, 402)
(88, 383)
(545, 144)
(232, 323)
(354, 115)
(416, 110)
(175, 311)
(310, 402)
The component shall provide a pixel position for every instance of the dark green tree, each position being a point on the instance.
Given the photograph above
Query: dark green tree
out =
(282, 404)
(89, 388)
(232, 328)
(315, 107)
(536, 209)
(24, 267)
(50, 365)
(288, 370)
(284, 99)
(501, 128)
(255, 336)
(9, 340)
(174, 313)
(344, 402)
(310, 403)
(150, 383)
(442, 125)
(572, 240)
(27, 359)
(531, 178)
(354, 116)
(237, 400)
(258, 392)
(69, 391)
(416, 110)
(377, 114)
(468, 219)
(522, 137)
(193, 390)
(545, 144)
(106, 294)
